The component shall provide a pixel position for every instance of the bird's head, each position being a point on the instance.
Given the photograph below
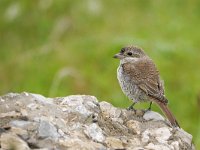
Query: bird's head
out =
(130, 53)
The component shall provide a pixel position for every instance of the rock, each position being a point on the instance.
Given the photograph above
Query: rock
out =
(11, 141)
(20, 132)
(134, 126)
(159, 134)
(47, 129)
(162, 134)
(134, 143)
(76, 144)
(157, 147)
(175, 145)
(114, 143)
(109, 111)
(20, 123)
(9, 114)
(94, 132)
(32, 121)
(150, 115)
(184, 137)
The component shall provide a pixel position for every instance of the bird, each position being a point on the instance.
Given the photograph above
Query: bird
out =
(140, 80)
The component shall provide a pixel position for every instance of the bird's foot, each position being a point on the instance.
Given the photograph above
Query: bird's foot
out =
(131, 107)
(146, 110)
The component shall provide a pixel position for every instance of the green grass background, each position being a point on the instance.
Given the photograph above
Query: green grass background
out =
(65, 47)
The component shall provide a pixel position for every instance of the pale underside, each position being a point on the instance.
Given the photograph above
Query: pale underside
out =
(140, 81)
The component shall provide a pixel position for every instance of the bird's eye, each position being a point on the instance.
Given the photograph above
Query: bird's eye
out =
(129, 54)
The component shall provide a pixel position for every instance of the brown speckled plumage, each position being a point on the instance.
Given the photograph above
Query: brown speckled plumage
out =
(139, 79)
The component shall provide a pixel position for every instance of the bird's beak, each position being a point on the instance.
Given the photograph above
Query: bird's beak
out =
(118, 56)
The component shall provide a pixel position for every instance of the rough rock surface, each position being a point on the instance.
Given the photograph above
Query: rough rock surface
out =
(31, 121)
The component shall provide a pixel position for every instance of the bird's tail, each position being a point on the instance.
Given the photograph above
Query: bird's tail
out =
(168, 113)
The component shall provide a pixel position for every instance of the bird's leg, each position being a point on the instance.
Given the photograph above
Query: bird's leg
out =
(149, 109)
(131, 107)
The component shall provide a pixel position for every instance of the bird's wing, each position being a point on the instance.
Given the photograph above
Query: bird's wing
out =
(143, 73)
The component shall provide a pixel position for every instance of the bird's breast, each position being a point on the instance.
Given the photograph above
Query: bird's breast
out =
(129, 88)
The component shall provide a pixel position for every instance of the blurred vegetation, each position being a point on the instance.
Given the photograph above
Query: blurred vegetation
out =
(64, 47)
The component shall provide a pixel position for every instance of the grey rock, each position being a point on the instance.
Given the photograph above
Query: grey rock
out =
(162, 134)
(32, 121)
(159, 134)
(33, 106)
(82, 110)
(94, 132)
(109, 111)
(41, 98)
(150, 115)
(157, 147)
(78, 104)
(184, 136)
(20, 123)
(47, 129)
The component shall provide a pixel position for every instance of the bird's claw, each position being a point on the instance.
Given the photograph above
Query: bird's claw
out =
(146, 110)
(130, 108)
